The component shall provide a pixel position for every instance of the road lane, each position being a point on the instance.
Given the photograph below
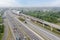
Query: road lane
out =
(42, 21)
(31, 34)
(13, 27)
(44, 32)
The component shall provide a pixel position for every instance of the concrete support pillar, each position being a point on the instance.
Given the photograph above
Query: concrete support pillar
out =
(51, 28)
(35, 21)
(43, 25)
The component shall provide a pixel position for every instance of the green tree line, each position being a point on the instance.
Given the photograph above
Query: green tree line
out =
(49, 16)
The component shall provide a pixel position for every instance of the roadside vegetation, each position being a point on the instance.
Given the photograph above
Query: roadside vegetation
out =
(49, 16)
(56, 31)
(1, 20)
(1, 28)
(22, 19)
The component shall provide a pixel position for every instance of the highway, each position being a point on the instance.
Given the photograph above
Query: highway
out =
(41, 31)
(42, 21)
(33, 31)
(15, 25)
(16, 32)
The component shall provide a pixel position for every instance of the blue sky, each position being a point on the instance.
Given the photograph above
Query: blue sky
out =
(34, 2)
(29, 3)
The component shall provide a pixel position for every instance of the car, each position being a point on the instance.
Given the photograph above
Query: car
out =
(25, 22)
(18, 39)
(15, 28)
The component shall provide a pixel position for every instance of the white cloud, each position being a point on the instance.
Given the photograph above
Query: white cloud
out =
(14, 3)
(9, 3)
(53, 3)
(56, 3)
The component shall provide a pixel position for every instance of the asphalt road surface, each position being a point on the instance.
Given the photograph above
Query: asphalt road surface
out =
(13, 22)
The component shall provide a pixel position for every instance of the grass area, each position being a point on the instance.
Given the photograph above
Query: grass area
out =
(58, 23)
(1, 19)
(1, 35)
(9, 34)
(48, 28)
(56, 31)
(1, 28)
(1, 31)
(22, 19)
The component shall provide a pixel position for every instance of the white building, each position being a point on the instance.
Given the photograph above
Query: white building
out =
(16, 12)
